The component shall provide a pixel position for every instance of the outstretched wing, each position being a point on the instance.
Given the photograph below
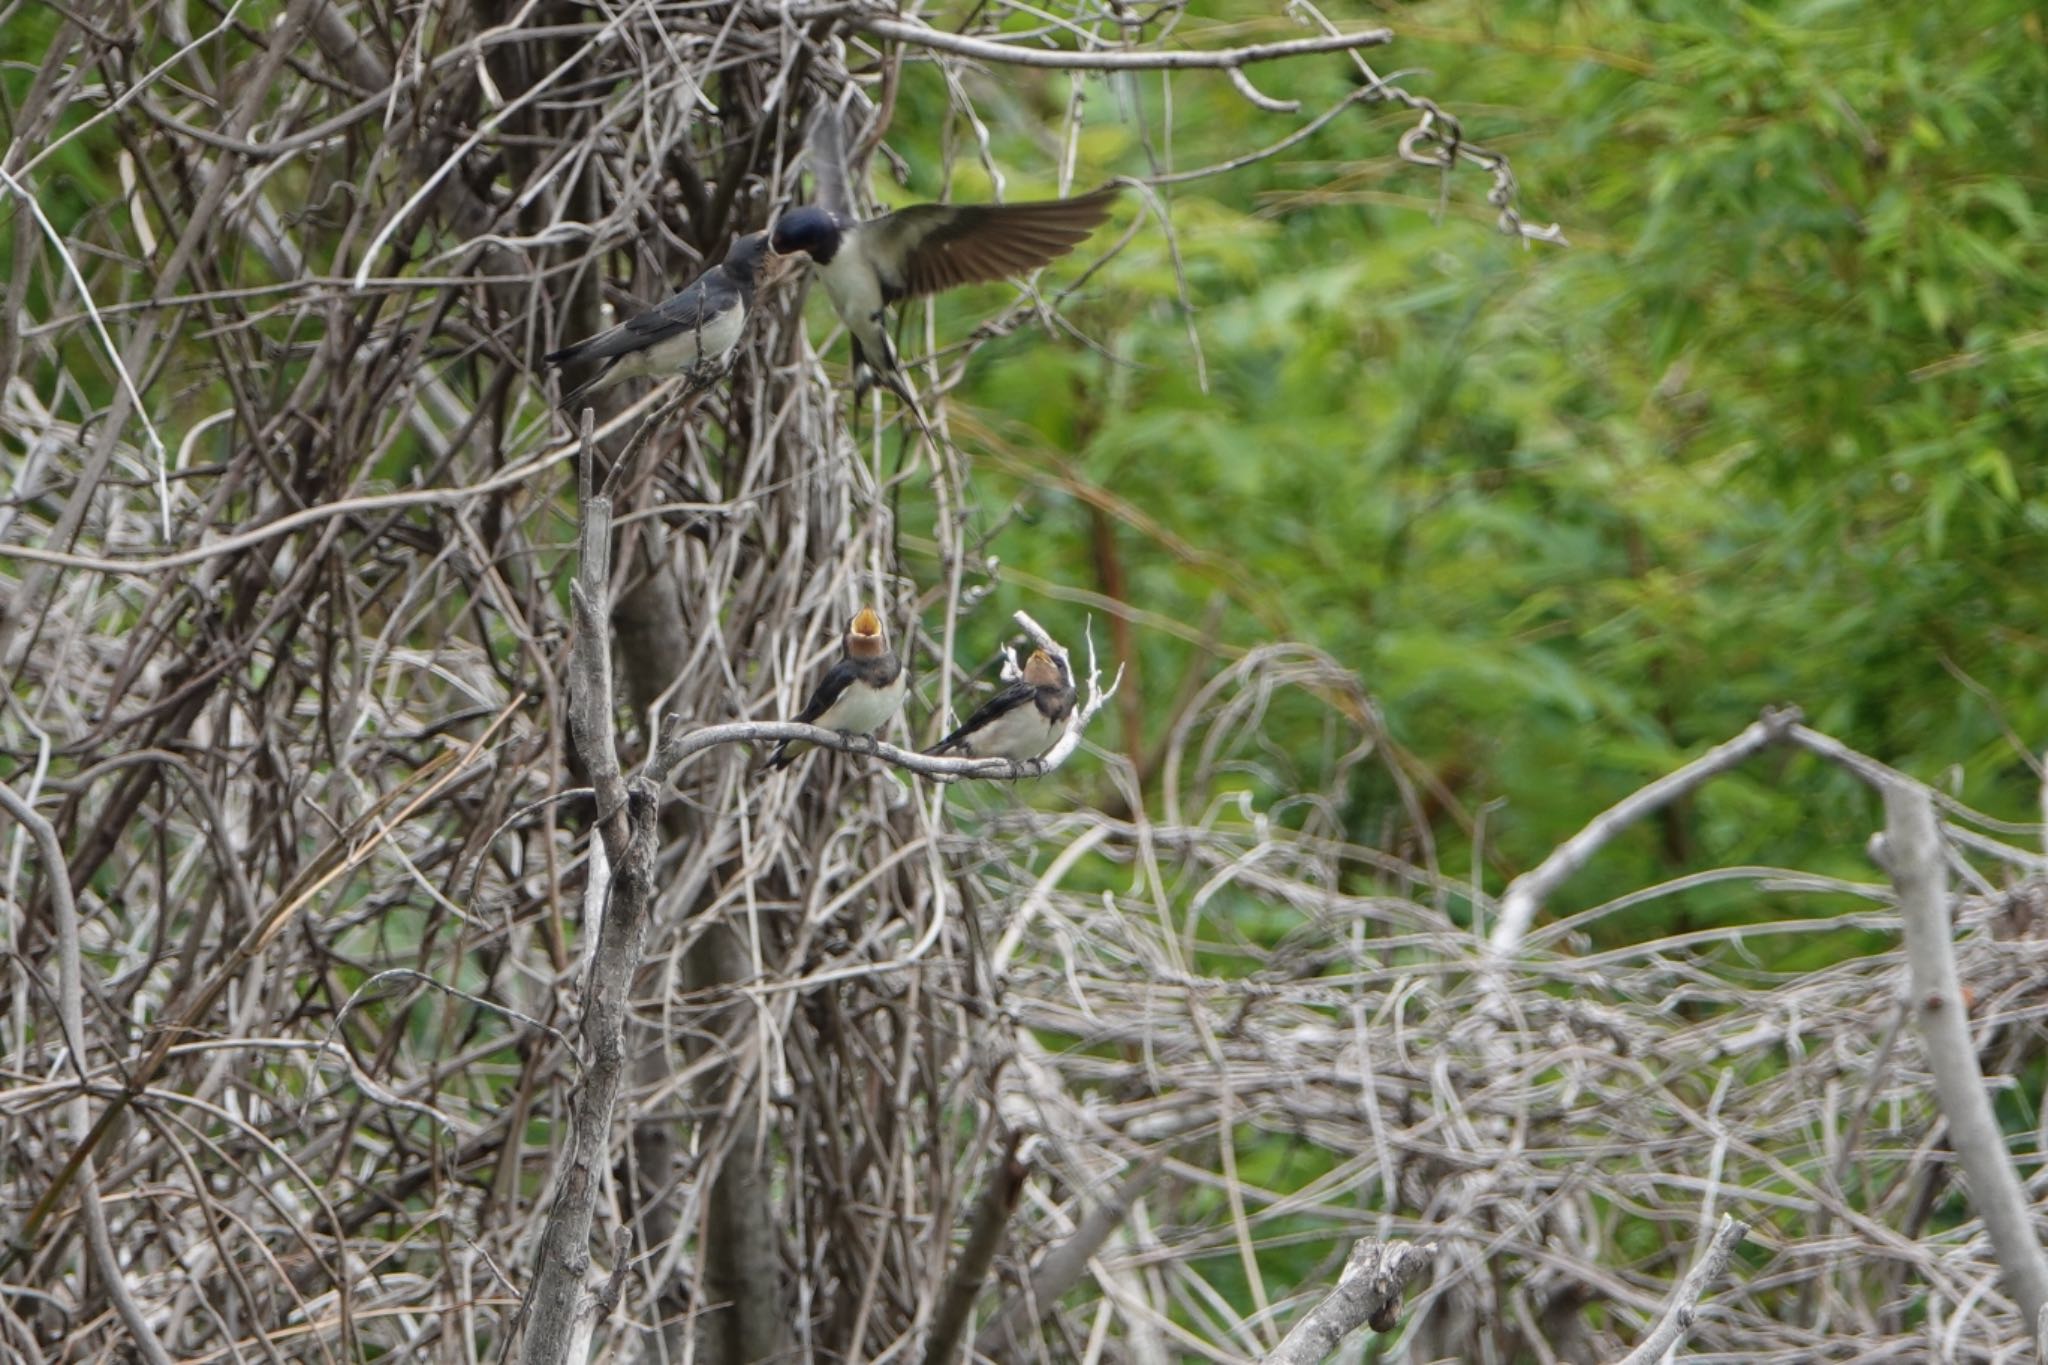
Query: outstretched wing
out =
(929, 247)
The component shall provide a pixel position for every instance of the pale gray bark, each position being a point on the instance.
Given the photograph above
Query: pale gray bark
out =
(625, 821)
(1912, 853)
(1367, 1293)
(1679, 1315)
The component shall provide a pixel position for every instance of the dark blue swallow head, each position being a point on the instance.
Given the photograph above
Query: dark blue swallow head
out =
(811, 230)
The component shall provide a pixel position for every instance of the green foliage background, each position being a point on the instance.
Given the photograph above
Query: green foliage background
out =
(1766, 432)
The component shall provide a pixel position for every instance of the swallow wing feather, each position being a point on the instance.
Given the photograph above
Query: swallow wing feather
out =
(929, 247)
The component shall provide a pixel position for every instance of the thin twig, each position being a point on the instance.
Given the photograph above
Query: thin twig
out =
(156, 442)
(71, 1013)
(229, 545)
(1120, 59)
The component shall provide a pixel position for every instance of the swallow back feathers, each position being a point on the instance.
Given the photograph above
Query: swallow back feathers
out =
(1020, 722)
(858, 694)
(698, 327)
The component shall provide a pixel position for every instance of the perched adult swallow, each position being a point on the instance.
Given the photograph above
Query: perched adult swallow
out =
(868, 264)
(858, 694)
(1022, 720)
(699, 326)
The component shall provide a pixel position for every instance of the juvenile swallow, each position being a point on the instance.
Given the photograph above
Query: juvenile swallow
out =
(697, 327)
(868, 264)
(858, 694)
(1021, 721)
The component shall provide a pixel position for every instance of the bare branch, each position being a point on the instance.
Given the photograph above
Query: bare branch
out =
(1368, 1292)
(626, 826)
(1911, 852)
(226, 546)
(682, 745)
(1063, 1263)
(1117, 59)
(1679, 1314)
(999, 1192)
(1525, 894)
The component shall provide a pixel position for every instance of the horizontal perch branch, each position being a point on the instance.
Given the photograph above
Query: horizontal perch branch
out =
(1173, 59)
(685, 745)
(681, 745)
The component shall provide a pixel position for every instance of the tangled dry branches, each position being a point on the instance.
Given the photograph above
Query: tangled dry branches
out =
(302, 903)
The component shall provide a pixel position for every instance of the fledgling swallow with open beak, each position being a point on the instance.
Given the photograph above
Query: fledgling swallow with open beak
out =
(698, 327)
(1020, 722)
(868, 264)
(858, 694)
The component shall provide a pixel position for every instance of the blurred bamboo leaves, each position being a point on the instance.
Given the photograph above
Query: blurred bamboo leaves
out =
(1764, 434)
